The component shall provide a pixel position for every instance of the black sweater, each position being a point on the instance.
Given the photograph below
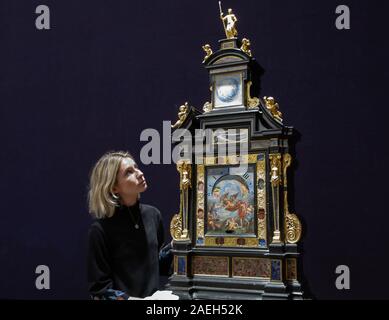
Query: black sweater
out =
(124, 261)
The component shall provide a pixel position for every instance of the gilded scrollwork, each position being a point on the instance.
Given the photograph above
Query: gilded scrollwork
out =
(208, 105)
(273, 107)
(261, 198)
(231, 242)
(261, 164)
(200, 228)
(200, 202)
(247, 158)
(176, 227)
(252, 158)
(293, 227)
(262, 228)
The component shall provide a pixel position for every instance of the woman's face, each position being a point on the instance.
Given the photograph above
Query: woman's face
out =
(130, 180)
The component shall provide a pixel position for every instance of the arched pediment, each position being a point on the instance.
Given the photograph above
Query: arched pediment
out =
(229, 57)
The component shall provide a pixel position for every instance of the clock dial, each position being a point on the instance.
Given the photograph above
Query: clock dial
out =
(227, 89)
(230, 201)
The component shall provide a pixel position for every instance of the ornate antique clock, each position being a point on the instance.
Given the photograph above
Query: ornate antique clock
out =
(234, 237)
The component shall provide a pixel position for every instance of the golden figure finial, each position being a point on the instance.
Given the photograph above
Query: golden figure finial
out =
(183, 112)
(275, 177)
(229, 23)
(273, 107)
(246, 46)
(208, 51)
(185, 181)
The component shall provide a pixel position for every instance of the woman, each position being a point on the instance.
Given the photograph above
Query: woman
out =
(124, 255)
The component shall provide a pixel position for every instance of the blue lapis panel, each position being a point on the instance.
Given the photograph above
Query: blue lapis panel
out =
(276, 270)
(200, 241)
(181, 265)
(260, 157)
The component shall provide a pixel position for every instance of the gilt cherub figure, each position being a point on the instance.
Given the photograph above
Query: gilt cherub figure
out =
(208, 51)
(183, 112)
(273, 107)
(246, 46)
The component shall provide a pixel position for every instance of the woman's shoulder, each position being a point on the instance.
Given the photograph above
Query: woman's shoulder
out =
(96, 230)
(96, 226)
(150, 210)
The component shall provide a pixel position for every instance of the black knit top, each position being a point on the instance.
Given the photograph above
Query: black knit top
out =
(124, 260)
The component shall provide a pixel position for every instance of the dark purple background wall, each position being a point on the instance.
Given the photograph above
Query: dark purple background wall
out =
(109, 69)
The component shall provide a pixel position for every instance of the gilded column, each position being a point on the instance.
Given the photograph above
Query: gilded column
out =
(275, 179)
(179, 223)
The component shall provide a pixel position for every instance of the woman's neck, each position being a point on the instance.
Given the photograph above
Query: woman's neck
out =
(129, 201)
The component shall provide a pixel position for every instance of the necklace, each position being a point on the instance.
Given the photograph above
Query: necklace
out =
(136, 224)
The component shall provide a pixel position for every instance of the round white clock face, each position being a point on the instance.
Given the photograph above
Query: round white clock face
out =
(227, 89)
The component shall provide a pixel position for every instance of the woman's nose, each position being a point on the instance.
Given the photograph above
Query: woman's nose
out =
(139, 174)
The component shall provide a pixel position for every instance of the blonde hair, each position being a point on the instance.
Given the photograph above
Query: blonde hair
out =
(101, 198)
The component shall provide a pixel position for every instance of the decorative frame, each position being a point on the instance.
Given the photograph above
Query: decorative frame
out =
(259, 236)
(230, 200)
(228, 90)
